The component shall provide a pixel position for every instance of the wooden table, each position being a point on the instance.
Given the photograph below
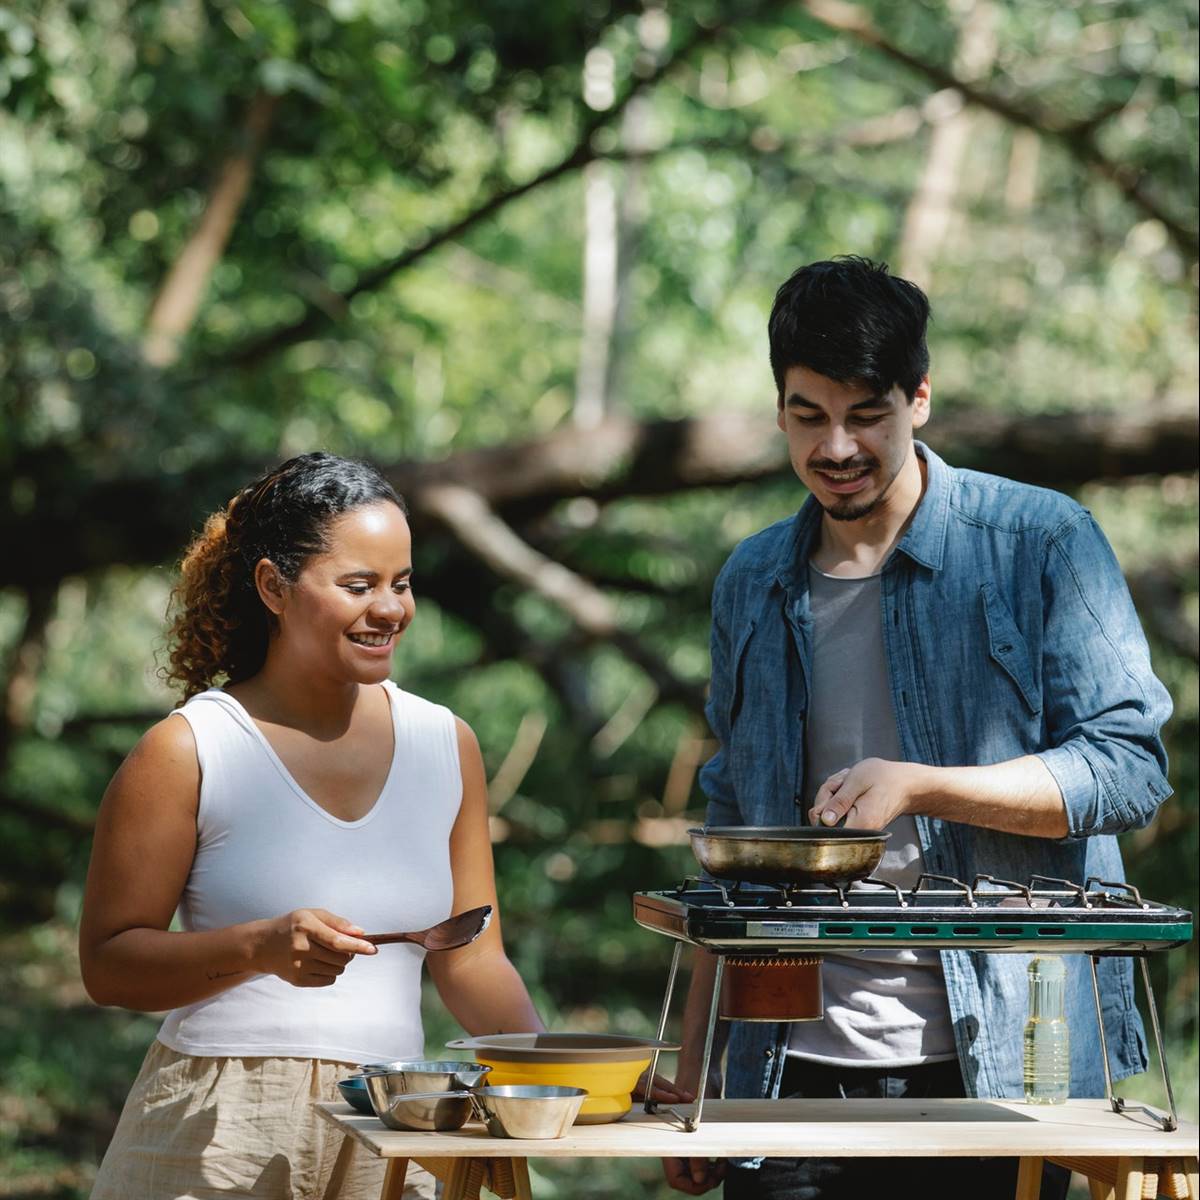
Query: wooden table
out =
(1122, 1155)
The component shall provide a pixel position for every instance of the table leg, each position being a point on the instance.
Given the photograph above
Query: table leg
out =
(1129, 1178)
(1172, 1180)
(500, 1177)
(1029, 1179)
(341, 1165)
(1189, 1165)
(520, 1170)
(456, 1180)
(393, 1180)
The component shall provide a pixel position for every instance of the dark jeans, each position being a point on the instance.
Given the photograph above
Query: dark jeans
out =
(860, 1178)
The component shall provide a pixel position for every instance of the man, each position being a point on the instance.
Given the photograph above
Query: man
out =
(944, 654)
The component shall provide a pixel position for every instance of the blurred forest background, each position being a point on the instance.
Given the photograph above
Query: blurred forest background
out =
(521, 255)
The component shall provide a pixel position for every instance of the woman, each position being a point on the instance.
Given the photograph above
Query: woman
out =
(302, 803)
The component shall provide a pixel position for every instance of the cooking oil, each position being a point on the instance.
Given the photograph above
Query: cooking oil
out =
(1047, 1042)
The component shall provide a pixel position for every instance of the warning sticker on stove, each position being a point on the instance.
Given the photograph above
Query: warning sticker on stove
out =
(777, 929)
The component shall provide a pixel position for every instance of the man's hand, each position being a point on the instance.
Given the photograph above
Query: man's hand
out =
(870, 795)
(694, 1176)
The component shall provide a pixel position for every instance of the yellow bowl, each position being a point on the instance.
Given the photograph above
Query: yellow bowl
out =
(607, 1066)
(608, 1085)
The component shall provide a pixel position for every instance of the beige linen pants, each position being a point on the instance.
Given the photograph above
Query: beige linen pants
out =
(218, 1128)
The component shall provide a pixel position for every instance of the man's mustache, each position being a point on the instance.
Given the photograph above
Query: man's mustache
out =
(851, 464)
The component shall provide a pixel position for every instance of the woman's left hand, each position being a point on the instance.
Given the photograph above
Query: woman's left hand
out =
(665, 1092)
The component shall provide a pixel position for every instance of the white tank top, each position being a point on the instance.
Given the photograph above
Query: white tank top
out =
(264, 848)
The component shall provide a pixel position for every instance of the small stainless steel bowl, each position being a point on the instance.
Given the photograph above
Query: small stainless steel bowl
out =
(388, 1088)
(526, 1111)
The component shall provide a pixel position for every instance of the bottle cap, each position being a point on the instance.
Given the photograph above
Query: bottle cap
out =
(1047, 966)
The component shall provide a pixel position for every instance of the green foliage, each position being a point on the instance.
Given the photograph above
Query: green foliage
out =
(773, 141)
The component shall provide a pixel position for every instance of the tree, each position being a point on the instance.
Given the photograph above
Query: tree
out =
(229, 233)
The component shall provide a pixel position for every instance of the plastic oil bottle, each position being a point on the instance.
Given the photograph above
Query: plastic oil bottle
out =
(1047, 1043)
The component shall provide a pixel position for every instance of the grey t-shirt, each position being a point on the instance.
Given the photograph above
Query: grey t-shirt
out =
(882, 1007)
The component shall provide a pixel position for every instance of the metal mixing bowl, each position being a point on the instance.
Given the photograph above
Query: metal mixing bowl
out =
(526, 1111)
(422, 1112)
(788, 853)
(425, 1074)
(388, 1090)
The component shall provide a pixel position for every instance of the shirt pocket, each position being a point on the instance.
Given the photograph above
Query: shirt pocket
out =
(1008, 649)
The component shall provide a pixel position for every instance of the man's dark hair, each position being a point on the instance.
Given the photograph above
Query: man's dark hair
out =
(849, 319)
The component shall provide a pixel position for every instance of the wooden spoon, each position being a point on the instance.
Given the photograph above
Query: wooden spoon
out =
(445, 935)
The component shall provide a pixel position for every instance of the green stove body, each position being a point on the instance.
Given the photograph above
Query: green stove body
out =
(995, 915)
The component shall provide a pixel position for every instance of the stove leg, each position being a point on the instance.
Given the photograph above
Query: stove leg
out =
(651, 1104)
(692, 1123)
(1108, 1086)
(1169, 1122)
(1162, 1058)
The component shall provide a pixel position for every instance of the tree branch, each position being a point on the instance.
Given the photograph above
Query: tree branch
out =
(46, 818)
(23, 665)
(624, 457)
(931, 207)
(143, 520)
(317, 316)
(1079, 139)
(175, 307)
(488, 538)
(465, 588)
(485, 535)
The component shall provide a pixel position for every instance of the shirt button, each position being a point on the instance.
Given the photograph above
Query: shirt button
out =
(768, 1053)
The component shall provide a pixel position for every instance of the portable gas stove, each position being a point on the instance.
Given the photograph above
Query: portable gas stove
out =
(772, 938)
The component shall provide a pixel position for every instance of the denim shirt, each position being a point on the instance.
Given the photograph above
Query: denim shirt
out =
(1008, 631)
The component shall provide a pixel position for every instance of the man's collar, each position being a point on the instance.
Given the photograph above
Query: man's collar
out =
(924, 541)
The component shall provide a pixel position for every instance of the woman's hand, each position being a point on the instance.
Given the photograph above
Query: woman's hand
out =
(692, 1176)
(665, 1092)
(309, 947)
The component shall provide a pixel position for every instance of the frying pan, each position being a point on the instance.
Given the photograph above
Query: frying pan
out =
(788, 853)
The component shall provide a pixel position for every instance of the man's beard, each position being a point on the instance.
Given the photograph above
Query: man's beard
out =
(855, 513)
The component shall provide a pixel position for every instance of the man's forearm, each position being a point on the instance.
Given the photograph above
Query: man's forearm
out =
(1018, 796)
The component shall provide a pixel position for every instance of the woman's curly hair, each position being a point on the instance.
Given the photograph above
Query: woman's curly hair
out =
(221, 628)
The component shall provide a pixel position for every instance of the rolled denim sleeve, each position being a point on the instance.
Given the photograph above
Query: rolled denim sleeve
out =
(1104, 705)
(716, 780)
